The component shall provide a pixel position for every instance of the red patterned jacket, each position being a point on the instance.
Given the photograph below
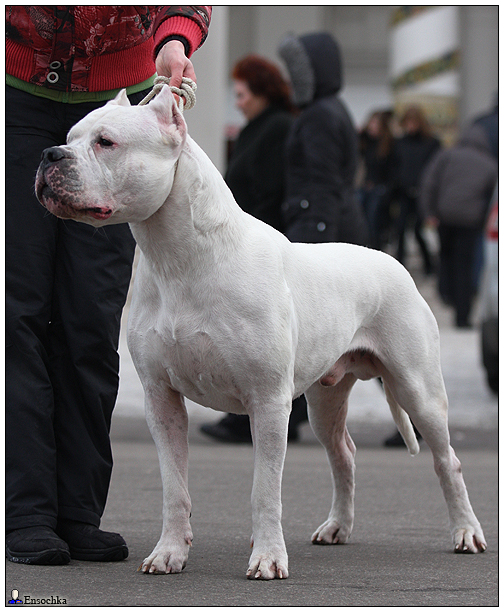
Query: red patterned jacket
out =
(96, 48)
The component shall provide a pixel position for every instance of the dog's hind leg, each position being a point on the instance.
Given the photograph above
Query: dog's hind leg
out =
(268, 422)
(423, 396)
(168, 423)
(327, 411)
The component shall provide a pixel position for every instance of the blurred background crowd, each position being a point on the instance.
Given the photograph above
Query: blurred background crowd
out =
(374, 125)
(413, 81)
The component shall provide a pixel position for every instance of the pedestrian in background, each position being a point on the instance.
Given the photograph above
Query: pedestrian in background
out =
(456, 190)
(322, 148)
(66, 282)
(412, 153)
(256, 169)
(376, 148)
(256, 177)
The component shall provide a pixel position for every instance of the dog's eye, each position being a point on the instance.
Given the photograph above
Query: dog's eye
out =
(105, 142)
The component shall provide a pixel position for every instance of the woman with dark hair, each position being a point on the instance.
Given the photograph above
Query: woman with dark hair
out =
(413, 150)
(255, 175)
(376, 148)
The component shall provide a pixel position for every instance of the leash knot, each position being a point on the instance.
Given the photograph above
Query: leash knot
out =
(186, 92)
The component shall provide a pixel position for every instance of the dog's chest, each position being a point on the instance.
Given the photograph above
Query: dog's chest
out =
(186, 354)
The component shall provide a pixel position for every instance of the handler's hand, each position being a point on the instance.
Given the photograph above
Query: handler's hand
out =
(172, 62)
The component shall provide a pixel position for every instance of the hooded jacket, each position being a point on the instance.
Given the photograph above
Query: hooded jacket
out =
(458, 183)
(322, 147)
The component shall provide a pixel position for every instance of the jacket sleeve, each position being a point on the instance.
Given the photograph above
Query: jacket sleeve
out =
(186, 23)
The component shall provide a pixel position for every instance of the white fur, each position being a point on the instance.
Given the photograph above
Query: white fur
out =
(227, 312)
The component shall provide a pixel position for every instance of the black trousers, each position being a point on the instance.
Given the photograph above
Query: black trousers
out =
(409, 213)
(65, 284)
(457, 254)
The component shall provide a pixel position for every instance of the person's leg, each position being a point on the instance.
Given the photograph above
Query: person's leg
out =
(92, 276)
(30, 238)
(402, 224)
(93, 270)
(298, 415)
(32, 486)
(465, 244)
(422, 243)
(446, 277)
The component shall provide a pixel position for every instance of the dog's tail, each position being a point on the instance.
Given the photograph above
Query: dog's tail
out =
(403, 422)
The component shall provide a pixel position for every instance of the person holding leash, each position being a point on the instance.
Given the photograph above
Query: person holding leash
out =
(66, 283)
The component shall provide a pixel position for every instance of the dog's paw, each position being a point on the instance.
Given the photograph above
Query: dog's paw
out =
(163, 563)
(331, 532)
(469, 540)
(166, 560)
(267, 566)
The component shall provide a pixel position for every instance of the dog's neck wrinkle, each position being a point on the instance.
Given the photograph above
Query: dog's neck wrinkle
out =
(199, 211)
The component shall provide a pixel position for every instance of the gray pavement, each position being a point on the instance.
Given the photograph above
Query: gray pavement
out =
(400, 550)
(399, 553)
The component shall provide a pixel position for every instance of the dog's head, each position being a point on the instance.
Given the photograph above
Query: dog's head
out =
(118, 164)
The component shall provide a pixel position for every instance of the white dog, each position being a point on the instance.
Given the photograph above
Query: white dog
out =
(227, 312)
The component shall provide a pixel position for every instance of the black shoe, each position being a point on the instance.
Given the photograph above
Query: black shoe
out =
(219, 431)
(88, 543)
(396, 440)
(36, 546)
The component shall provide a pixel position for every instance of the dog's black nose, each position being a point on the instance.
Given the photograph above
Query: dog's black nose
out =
(52, 155)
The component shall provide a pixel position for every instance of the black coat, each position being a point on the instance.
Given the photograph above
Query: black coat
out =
(256, 169)
(412, 154)
(322, 148)
(378, 168)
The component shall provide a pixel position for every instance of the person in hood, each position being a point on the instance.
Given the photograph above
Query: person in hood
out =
(322, 148)
(455, 192)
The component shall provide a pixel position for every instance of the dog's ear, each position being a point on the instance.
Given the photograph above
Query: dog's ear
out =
(121, 99)
(170, 119)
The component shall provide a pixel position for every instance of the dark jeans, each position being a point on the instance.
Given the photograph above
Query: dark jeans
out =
(457, 255)
(66, 284)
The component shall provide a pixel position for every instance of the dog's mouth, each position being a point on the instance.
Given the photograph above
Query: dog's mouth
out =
(97, 212)
(65, 209)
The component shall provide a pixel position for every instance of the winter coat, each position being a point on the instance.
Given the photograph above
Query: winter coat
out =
(458, 183)
(378, 168)
(322, 148)
(85, 48)
(256, 169)
(412, 154)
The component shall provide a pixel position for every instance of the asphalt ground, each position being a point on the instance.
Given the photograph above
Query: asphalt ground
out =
(399, 554)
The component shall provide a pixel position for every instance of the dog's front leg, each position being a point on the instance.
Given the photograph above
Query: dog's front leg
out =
(167, 419)
(269, 432)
